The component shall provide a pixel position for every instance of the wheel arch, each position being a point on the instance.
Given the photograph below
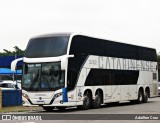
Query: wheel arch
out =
(141, 89)
(89, 91)
(147, 89)
(101, 92)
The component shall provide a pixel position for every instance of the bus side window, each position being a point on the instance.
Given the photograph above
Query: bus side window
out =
(112, 79)
(107, 79)
(154, 76)
(71, 79)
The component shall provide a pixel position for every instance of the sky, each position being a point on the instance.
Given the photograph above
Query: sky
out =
(130, 21)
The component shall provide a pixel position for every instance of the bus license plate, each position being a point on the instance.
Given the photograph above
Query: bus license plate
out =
(40, 102)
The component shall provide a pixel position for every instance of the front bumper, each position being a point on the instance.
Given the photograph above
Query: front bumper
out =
(55, 104)
(47, 102)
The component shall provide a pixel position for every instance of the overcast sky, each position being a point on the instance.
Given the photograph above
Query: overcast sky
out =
(131, 21)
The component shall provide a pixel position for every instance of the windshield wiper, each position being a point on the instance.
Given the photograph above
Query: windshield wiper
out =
(34, 80)
(44, 74)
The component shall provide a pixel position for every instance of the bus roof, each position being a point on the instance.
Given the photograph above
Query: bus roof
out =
(72, 34)
(52, 35)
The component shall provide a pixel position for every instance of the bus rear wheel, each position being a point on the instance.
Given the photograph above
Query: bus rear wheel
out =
(96, 103)
(146, 96)
(140, 97)
(49, 109)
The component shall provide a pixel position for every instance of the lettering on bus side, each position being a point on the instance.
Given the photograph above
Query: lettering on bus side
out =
(124, 64)
(92, 62)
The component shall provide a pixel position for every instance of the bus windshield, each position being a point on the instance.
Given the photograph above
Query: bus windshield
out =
(47, 47)
(42, 77)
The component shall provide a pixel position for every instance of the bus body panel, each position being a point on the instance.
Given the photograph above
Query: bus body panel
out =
(124, 92)
(133, 92)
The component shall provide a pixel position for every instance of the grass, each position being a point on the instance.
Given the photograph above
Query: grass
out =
(18, 109)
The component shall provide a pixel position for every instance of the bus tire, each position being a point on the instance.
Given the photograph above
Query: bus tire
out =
(48, 109)
(146, 96)
(86, 101)
(96, 103)
(61, 108)
(140, 97)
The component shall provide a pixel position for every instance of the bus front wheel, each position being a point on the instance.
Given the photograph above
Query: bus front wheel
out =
(61, 108)
(49, 109)
(86, 101)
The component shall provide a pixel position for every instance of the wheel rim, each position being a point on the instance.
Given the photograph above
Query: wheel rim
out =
(140, 97)
(86, 100)
(146, 94)
(98, 99)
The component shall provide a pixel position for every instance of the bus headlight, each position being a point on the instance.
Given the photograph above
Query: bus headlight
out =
(57, 95)
(25, 96)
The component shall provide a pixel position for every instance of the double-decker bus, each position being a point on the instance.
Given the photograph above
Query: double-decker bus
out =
(63, 70)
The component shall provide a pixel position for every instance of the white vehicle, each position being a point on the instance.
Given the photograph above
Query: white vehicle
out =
(8, 85)
(62, 70)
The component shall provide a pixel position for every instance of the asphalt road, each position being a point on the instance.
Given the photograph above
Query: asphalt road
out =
(151, 107)
(112, 111)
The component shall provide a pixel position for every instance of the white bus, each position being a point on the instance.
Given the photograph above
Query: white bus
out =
(63, 70)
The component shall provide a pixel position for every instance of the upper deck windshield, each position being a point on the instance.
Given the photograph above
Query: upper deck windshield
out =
(47, 47)
(42, 77)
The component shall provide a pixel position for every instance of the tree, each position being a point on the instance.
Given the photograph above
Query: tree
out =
(17, 51)
(7, 52)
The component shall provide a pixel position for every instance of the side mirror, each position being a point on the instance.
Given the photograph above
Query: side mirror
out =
(64, 61)
(14, 64)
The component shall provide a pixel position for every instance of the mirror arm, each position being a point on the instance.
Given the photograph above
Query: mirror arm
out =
(14, 63)
(63, 61)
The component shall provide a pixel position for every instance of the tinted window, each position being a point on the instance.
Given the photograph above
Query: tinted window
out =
(5, 77)
(111, 77)
(87, 46)
(92, 46)
(71, 79)
(4, 85)
(43, 77)
(154, 76)
(47, 47)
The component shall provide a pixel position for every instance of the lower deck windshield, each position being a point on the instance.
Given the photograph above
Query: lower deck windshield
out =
(43, 77)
